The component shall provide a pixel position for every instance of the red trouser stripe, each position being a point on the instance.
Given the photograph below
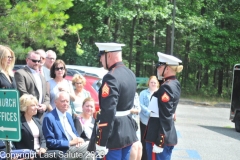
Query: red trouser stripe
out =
(153, 154)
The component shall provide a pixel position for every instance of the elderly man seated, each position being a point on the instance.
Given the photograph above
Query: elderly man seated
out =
(60, 133)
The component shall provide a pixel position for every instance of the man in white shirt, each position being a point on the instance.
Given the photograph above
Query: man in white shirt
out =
(42, 68)
(60, 133)
(50, 59)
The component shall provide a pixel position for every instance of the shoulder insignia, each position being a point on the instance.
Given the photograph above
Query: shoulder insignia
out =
(165, 97)
(105, 90)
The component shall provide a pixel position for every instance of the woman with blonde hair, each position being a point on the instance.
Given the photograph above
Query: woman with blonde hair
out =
(78, 81)
(161, 135)
(7, 61)
(31, 130)
(144, 99)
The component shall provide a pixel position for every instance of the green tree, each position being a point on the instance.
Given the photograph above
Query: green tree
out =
(27, 25)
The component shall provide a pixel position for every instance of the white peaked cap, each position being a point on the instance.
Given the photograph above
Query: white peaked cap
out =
(109, 47)
(168, 59)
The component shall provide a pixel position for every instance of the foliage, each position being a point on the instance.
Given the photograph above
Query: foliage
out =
(27, 25)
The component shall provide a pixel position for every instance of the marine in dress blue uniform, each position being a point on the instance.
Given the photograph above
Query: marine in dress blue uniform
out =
(161, 136)
(116, 129)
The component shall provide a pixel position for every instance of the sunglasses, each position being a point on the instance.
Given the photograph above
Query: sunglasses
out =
(34, 61)
(60, 68)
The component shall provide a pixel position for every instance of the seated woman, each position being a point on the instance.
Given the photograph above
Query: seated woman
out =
(31, 130)
(84, 123)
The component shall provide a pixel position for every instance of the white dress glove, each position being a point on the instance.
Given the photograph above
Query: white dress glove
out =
(101, 151)
(157, 149)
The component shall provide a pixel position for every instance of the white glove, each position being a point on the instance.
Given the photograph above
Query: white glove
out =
(101, 151)
(157, 149)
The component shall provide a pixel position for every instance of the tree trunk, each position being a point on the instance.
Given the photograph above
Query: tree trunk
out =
(214, 78)
(131, 41)
(154, 44)
(220, 81)
(115, 34)
(199, 76)
(205, 76)
(168, 40)
(138, 53)
(220, 74)
(228, 75)
(107, 20)
(185, 64)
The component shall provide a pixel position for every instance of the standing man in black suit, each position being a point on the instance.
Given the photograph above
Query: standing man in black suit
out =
(116, 127)
(30, 81)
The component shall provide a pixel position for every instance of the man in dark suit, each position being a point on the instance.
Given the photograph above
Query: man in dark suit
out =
(29, 81)
(60, 133)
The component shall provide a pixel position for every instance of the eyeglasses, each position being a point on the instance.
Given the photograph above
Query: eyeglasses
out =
(79, 83)
(60, 68)
(53, 59)
(10, 57)
(34, 61)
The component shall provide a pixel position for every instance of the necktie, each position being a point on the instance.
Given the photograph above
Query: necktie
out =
(68, 129)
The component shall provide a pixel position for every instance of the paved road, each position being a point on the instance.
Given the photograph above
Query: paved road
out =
(205, 133)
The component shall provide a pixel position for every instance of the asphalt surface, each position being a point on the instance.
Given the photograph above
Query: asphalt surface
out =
(205, 132)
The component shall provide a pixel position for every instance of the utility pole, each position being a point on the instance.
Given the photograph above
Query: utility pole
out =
(173, 26)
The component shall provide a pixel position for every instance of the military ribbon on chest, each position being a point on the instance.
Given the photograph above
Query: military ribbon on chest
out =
(165, 97)
(105, 90)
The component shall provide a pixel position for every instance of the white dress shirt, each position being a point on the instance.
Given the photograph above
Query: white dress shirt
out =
(39, 84)
(66, 125)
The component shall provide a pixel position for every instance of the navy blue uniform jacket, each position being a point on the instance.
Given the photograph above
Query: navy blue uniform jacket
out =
(116, 94)
(161, 130)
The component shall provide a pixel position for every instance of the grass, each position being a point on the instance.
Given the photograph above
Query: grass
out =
(209, 99)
